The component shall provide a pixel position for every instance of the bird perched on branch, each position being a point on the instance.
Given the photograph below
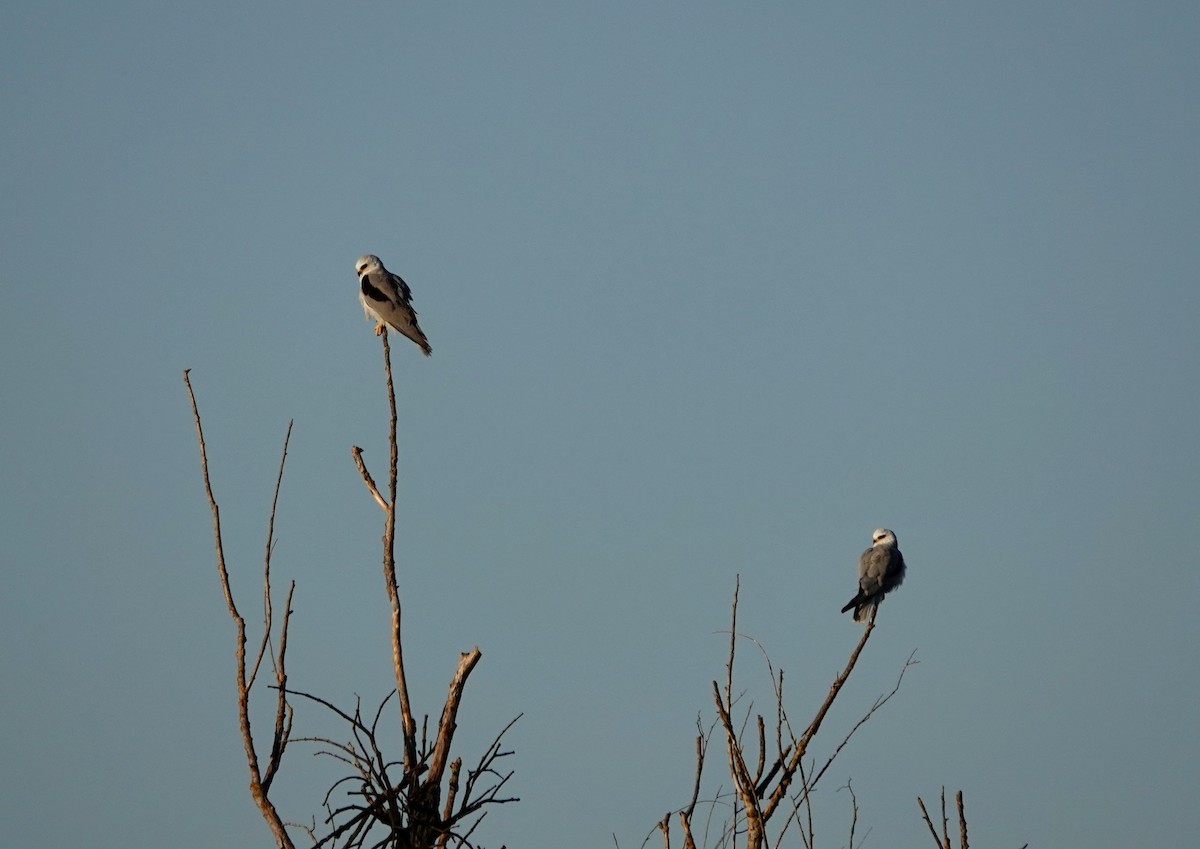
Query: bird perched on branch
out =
(880, 570)
(387, 298)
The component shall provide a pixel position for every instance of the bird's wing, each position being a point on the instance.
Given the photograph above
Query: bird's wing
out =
(873, 569)
(399, 288)
(895, 569)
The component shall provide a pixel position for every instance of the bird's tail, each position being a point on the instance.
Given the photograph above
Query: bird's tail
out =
(414, 333)
(865, 609)
(421, 341)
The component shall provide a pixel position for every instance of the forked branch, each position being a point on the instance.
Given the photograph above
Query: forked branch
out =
(260, 780)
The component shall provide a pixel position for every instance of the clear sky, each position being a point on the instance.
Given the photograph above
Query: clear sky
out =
(712, 289)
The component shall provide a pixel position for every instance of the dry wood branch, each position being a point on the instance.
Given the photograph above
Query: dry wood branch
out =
(451, 795)
(664, 825)
(701, 749)
(962, 821)
(283, 710)
(408, 724)
(879, 702)
(762, 752)
(357, 453)
(932, 831)
(389, 570)
(945, 821)
(686, 814)
(259, 782)
(814, 726)
(806, 828)
(265, 643)
(447, 725)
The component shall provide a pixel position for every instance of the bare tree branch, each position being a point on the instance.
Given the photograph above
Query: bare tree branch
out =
(389, 571)
(259, 785)
(853, 812)
(945, 820)
(701, 749)
(814, 726)
(446, 726)
(357, 453)
(962, 821)
(283, 710)
(932, 831)
(880, 702)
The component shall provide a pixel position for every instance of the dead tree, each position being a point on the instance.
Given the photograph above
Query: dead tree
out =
(423, 799)
(771, 778)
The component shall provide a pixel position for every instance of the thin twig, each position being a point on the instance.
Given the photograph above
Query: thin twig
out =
(853, 811)
(737, 586)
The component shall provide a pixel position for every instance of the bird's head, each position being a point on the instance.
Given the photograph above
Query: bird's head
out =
(367, 264)
(882, 536)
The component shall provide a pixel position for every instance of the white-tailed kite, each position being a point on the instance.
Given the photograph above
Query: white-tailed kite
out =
(387, 298)
(880, 570)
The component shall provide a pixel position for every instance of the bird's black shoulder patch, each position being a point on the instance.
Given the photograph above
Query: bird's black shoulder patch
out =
(371, 292)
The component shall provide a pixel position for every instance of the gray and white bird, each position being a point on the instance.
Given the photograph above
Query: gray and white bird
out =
(880, 570)
(387, 298)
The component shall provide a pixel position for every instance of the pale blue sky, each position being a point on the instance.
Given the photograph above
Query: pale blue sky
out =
(712, 289)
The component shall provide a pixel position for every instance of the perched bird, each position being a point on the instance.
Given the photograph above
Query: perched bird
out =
(387, 298)
(880, 570)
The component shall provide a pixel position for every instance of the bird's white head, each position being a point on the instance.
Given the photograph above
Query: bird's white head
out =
(882, 536)
(367, 264)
